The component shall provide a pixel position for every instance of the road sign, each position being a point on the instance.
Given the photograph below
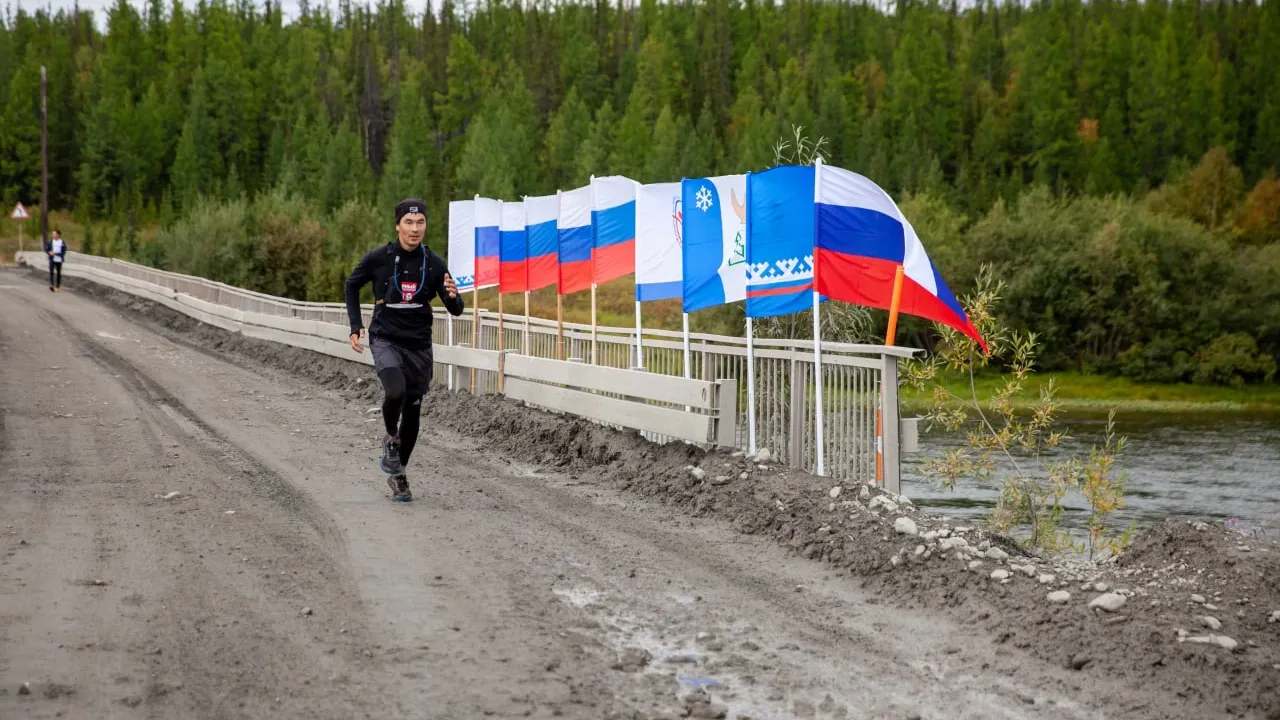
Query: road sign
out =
(19, 212)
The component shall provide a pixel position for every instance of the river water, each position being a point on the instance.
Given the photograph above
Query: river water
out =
(1216, 465)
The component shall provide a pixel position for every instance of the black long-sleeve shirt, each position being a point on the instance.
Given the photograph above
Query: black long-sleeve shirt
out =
(400, 276)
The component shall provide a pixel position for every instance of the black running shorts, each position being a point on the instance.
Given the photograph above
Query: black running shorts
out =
(417, 365)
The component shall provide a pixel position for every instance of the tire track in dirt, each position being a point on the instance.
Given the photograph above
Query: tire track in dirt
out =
(122, 604)
(224, 455)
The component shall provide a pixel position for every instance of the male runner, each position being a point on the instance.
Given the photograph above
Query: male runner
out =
(405, 276)
(57, 250)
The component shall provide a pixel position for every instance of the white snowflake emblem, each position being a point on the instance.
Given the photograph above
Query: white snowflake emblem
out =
(703, 198)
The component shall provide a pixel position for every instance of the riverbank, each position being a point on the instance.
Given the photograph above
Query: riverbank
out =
(1077, 391)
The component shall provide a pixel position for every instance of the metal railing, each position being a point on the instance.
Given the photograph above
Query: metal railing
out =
(852, 375)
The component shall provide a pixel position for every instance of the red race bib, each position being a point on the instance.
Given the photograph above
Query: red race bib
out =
(408, 290)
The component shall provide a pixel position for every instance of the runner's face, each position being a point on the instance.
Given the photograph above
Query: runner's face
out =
(411, 228)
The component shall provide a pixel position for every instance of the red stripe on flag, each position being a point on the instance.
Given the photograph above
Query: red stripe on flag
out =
(486, 271)
(869, 282)
(614, 261)
(543, 270)
(784, 290)
(575, 277)
(512, 277)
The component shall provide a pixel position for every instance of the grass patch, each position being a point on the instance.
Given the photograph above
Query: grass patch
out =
(72, 232)
(1079, 391)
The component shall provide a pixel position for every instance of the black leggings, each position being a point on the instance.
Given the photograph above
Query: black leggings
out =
(55, 274)
(401, 411)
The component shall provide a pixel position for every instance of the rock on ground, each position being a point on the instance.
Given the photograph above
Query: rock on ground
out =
(1221, 641)
(1059, 597)
(1111, 602)
(880, 501)
(997, 554)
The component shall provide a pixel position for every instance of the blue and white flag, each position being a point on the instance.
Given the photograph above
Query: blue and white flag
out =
(658, 259)
(780, 240)
(714, 242)
(462, 242)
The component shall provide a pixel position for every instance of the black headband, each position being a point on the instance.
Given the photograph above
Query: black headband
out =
(411, 205)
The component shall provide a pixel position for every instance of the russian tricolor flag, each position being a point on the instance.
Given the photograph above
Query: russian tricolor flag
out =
(488, 214)
(861, 238)
(613, 223)
(543, 239)
(513, 251)
(573, 225)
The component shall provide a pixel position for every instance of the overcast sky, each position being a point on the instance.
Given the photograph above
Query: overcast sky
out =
(100, 7)
(290, 7)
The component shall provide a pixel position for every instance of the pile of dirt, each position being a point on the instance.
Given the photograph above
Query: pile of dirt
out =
(1192, 608)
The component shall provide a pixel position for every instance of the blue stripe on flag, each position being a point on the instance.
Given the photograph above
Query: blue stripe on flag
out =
(513, 245)
(945, 294)
(487, 241)
(614, 225)
(575, 244)
(648, 292)
(860, 231)
(542, 238)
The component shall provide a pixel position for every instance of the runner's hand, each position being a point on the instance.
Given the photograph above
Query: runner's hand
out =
(355, 341)
(450, 286)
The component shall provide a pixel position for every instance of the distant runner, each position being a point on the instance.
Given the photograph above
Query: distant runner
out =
(57, 250)
(405, 276)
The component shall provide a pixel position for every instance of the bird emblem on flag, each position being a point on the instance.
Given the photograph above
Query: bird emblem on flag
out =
(677, 219)
(739, 255)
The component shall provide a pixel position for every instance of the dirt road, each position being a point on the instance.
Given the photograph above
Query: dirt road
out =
(280, 581)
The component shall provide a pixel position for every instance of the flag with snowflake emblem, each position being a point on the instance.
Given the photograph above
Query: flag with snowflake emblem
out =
(713, 227)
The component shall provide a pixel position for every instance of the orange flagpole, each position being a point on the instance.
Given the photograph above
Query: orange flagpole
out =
(889, 339)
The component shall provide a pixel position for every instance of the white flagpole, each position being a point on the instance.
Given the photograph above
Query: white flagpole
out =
(559, 286)
(751, 386)
(448, 329)
(592, 215)
(688, 354)
(475, 297)
(639, 330)
(639, 340)
(524, 204)
(817, 375)
(501, 336)
(817, 328)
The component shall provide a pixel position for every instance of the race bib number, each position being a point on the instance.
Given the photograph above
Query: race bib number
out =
(408, 290)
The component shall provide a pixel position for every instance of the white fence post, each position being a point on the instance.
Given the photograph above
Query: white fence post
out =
(889, 399)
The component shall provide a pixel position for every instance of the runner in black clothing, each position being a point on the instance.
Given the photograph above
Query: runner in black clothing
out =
(405, 276)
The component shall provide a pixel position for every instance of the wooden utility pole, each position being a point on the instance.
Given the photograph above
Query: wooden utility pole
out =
(44, 156)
